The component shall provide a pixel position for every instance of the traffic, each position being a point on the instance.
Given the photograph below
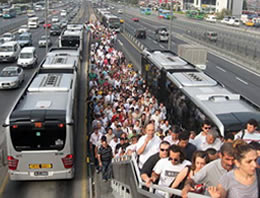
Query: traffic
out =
(59, 66)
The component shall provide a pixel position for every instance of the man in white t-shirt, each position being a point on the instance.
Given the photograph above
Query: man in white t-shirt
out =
(211, 141)
(173, 136)
(249, 134)
(147, 145)
(168, 168)
(206, 126)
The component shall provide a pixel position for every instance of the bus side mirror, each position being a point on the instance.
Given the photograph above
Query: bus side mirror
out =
(5, 125)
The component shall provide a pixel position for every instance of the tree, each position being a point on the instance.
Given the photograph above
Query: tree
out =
(245, 5)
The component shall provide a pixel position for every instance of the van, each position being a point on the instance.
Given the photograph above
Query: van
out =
(25, 39)
(161, 34)
(33, 22)
(27, 57)
(212, 36)
(9, 51)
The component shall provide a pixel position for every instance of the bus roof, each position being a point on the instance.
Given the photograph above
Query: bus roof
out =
(167, 60)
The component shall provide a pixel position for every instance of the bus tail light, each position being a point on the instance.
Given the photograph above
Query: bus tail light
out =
(68, 161)
(12, 162)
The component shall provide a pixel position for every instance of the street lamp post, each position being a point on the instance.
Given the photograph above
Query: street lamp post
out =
(170, 35)
(124, 14)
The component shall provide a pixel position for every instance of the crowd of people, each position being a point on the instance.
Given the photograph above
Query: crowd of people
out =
(127, 118)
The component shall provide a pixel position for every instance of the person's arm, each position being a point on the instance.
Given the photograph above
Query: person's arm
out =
(148, 181)
(99, 160)
(142, 148)
(187, 188)
(154, 176)
(180, 177)
(217, 192)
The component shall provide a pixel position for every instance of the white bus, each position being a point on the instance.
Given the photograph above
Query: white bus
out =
(40, 127)
(112, 22)
(33, 22)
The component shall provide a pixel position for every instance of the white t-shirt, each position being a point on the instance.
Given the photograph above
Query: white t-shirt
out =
(216, 145)
(199, 139)
(169, 139)
(151, 148)
(249, 137)
(168, 171)
(95, 138)
(113, 145)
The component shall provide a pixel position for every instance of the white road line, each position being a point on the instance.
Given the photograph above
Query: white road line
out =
(120, 43)
(246, 83)
(161, 46)
(149, 38)
(154, 42)
(220, 68)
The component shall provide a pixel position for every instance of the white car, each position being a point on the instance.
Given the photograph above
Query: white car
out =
(11, 77)
(42, 41)
(55, 19)
(224, 20)
(27, 57)
(8, 36)
(120, 11)
(23, 28)
(233, 22)
(9, 51)
(211, 19)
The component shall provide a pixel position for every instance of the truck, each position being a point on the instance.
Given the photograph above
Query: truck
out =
(194, 54)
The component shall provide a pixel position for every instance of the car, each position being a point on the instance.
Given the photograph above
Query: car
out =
(225, 20)
(8, 36)
(211, 19)
(48, 25)
(27, 57)
(135, 19)
(63, 23)
(9, 51)
(211, 35)
(2, 41)
(55, 30)
(25, 39)
(41, 21)
(140, 33)
(23, 28)
(42, 41)
(11, 77)
(120, 11)
(55, 19)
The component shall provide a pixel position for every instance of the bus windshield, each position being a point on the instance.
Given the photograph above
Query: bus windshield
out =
(26, 137)
(70, 41)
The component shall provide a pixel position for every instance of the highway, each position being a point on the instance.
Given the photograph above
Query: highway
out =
(236, 77)
(51, 189)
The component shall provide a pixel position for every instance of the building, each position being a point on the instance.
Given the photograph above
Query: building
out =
(235, 6)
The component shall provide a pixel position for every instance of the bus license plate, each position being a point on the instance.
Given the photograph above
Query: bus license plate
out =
(38, 166)
(41, 173)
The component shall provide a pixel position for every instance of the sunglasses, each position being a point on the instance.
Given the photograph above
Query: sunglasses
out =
(207, 127)
(173, 159)
(164, 149)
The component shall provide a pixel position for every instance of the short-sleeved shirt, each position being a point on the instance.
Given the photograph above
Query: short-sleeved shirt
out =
(235, 189)
(149, 164)
(210, 174)
(151, 148)
(249, 137)
(105, 153)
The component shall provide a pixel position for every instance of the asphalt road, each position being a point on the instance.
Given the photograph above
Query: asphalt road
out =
(52, 189)
(233, 76)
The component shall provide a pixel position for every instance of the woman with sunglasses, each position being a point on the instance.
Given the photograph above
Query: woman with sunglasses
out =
(243, 181)
(199, 160)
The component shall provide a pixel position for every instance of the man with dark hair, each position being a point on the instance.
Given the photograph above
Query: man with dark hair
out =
(229, 137)
(146, 171)
(206, 126)
(212, 153)
(211, 173)
(187, 147)
(105, 156)
(250, 133)
(168, 168)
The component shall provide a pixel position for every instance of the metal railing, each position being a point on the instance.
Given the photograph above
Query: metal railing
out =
(140, 185)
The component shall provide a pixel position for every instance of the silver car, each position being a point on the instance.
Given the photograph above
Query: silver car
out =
(8, 36)
(11, 77)
(42, 41)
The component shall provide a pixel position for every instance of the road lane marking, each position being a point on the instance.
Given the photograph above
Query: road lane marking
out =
(246, 83)
(154, 41)
(161, 46)
(221, 69)
(4, 183)
(120, 43)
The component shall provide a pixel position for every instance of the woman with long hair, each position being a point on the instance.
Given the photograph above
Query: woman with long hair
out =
(242, 181)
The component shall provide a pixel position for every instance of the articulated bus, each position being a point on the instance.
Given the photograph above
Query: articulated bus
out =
(112, 22)
(165, 14)
(40, 126)
(192, 97)
(9, 13)
(145, 11)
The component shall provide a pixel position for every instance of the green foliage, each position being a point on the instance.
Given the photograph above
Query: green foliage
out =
(223, 13)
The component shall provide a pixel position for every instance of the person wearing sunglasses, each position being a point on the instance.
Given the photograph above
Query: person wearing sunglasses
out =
(206, 126)
(168, 168)
(146, 171)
